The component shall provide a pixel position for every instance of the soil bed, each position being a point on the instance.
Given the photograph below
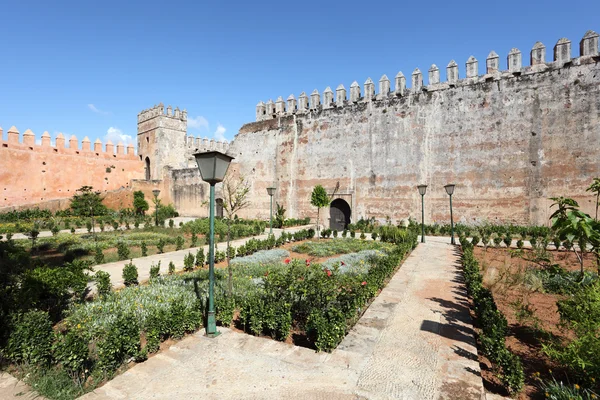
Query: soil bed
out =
(503, 273)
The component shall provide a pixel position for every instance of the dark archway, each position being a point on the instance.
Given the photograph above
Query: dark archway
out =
(219, 208)
(148, 169)
(339, 214)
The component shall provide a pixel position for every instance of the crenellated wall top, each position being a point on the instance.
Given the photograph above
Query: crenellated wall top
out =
(27, 142)
(588, 52)
(159, 111)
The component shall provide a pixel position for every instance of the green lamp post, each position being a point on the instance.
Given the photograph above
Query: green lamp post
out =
(213, 166)
(450, 190)
(271, 192)
(422, 190)
(156, 192)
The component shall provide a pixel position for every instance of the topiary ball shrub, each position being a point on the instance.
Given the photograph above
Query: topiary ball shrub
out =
(374, 235)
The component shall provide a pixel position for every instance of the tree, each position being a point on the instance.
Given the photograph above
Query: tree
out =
(235, 193)
(595, 188)
(573, 225)
(140, 205)
(319, 199)
(87, 203)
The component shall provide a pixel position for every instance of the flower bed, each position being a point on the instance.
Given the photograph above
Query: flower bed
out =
(325, 248)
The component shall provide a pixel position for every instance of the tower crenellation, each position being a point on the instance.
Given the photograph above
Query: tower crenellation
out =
(588, 49)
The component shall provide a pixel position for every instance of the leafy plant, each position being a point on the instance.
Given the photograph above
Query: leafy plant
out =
(194, 240)
(155, 270)
(188, 262)
(319, 198)
(103, 284)
(199, 261)
(87, 202)
(171, 268)
(122, 250)
(31, 338)
(161, 246)
(130, 274)
(98, 255)
(144, 249)
(179, 242)
(140, 205)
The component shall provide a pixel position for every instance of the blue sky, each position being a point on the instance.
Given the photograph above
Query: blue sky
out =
(87, 68)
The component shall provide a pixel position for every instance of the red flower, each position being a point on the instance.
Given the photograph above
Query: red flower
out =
(364, 283)
(328, 272)
(307, 263)
(287, 261)
(343, 263)
(267, 273)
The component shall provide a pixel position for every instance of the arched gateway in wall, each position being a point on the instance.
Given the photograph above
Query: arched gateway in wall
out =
(339, 214)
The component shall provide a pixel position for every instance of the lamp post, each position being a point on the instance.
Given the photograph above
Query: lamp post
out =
(213, 166)
(156, 192)
(450, 190)
(422, 190)
(271, 191)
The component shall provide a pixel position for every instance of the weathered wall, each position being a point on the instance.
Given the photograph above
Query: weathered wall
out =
(508, 140)
(32, 175)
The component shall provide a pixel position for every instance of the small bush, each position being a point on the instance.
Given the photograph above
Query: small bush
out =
(171, 224)
(335, 233)
(130, 274)
(374, 235)
(179, 242)
(199, 262)
(344, 233)
(144, 249)
(98, 255)
(31, 338)
(363, 236)
(161, 245)
(352, 234)
(171, 268)
(155, 270)
(188, 262)
(520, 244)
(122, 250)
(194, 240)
(103, 284)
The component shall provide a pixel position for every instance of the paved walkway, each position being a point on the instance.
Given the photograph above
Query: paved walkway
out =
(414, 342)
(12, 388)
(143, 264)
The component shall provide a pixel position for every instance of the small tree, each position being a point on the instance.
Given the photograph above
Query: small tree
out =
(595, 188)
(87, 203)
(573, 225)
(235, 193)
(319, 199)
(140, 205)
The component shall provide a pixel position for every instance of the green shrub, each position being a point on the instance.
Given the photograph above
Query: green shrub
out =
(144, 249)
(161, 246)
(55, 229)
(497, 240)
(155, 270)
(188, 262)
(171, 268)
(179, 242)
(122, 250)
(31, 338)
(194, 240)
(231, 252)
(130, 274)
(171, 224)
(520, 244)
(352, 234)
(326, 328)
(199, 262)
(374, 235)
(344, 233)
(71, 351)
(363, 236)
(335, 233)
(103, 284)
(225, 309)
(119, 342)
(98, 255)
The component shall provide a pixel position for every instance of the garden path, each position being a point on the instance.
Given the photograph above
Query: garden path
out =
(143, 264)
(415, 341)
(12, 388)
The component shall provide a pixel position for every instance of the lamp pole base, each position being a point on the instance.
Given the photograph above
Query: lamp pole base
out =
(211, 325)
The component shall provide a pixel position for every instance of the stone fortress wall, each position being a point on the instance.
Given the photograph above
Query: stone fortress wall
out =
(509, 140)
(47, 176)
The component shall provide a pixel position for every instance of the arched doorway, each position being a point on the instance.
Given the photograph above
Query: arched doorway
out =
(147, 168)
(339, 214)
(219, 208)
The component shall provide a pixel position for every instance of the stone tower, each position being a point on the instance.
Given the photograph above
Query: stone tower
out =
(161, 139)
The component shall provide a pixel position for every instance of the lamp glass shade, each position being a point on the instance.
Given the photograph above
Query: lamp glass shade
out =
(271, 190)
(449, 188)
(213, 165)
(156, 192)
(422, 189)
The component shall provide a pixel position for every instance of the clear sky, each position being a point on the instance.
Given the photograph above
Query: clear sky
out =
(88, 67)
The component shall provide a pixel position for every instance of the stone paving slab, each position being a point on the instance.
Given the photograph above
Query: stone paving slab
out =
(414, 342)
(12, 388)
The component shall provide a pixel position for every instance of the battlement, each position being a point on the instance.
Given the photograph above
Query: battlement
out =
(28, 143)
(588, 53)
(198, 144)
(159, 111)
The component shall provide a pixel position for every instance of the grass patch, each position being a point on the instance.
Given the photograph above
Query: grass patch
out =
(327, 248)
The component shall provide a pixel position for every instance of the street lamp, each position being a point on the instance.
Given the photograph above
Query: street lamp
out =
(450, 190)
(213, 166)
(271, 192)
(422, 190)
(156, 192)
